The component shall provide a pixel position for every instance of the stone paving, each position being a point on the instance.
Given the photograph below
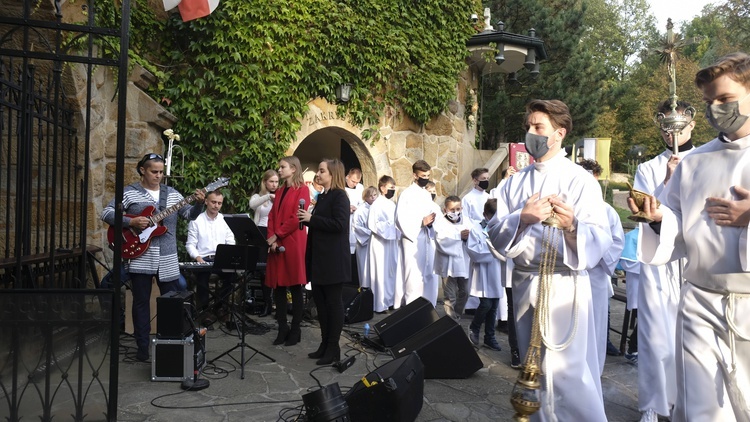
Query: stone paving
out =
(272, 391)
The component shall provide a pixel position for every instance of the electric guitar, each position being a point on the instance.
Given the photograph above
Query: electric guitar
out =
(135, 242)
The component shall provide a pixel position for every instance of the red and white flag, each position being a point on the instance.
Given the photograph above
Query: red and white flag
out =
(192, 9)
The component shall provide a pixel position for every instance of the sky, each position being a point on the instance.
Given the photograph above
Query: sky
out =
(678, 10)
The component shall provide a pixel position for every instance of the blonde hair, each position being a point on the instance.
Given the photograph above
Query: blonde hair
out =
(296, 180)
(267, 175)
(369, 191)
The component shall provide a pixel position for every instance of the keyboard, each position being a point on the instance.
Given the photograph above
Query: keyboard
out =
(208, 266)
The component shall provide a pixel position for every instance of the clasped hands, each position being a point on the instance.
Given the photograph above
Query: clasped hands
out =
(539, 209)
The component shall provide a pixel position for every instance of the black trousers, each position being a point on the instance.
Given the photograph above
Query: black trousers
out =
(330, 308)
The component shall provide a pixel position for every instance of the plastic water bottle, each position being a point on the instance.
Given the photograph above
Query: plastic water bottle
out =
(367, 330)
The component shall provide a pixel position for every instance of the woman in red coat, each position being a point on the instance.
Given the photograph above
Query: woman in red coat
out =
(286, 270)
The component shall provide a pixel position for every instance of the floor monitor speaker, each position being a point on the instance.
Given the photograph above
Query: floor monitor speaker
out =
(406, 321)
(391, 393)
(444, 348)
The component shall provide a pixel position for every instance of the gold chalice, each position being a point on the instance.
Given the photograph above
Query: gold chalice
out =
(638, 198)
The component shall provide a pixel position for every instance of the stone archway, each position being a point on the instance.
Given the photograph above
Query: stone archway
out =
(325, 135)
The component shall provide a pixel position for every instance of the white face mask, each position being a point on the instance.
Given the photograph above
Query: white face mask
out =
(453, 216)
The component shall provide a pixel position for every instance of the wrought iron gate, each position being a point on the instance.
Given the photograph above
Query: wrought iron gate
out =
(45, 122)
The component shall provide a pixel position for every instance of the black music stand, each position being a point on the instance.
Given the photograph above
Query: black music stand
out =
(247, 233)
(238, 258)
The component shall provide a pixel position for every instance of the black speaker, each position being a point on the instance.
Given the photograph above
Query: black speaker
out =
(391, 393)
(357, 303)
(406, 321)
(174, 312)
(444, 348)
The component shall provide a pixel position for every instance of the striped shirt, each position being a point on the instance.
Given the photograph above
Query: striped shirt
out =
(160, 258)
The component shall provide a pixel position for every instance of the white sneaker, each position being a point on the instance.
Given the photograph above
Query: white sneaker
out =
(649, 416)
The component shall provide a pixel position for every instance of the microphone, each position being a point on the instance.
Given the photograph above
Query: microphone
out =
(302, 207)
(280, 249)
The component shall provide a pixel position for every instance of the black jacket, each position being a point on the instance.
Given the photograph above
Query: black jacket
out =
(327, 257)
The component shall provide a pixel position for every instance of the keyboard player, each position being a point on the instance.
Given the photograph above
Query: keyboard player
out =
(204, 234)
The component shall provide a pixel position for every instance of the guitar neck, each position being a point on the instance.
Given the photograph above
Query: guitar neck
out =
(155, 219)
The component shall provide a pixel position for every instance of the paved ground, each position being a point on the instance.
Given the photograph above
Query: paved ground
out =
(272, 391)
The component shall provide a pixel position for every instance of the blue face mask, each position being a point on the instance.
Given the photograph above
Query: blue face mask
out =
(536, 145)
(315, 195)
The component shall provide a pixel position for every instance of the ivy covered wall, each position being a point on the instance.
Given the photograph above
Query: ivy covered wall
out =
(240, 80)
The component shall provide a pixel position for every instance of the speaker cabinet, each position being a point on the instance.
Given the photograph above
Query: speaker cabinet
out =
(174, 312)
(357, 303)
(391, 393)
(444, 348)
(406, 321)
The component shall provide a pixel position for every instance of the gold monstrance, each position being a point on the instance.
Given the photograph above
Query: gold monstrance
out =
(525, 397)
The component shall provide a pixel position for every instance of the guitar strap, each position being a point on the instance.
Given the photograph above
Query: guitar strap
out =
(163, 197)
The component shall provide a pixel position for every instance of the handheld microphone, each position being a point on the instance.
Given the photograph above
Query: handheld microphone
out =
(280, 249)
(301, 207)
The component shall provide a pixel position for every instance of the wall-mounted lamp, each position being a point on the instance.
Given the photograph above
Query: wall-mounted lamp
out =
(512, 78)
(343, 91)
(500, 56)
(535, 70)
(530, 59)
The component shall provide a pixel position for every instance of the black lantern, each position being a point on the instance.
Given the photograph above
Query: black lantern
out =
(343, 91)
(500, 57)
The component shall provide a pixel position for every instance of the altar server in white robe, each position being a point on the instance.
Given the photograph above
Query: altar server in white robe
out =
(383, 254)
(414, 216)
(659, 291)
(704, 217)
(362, 234)
(431, 280)
(571, 388)
(601, 274)
(451, 256)
(485, 278)
(473, 204)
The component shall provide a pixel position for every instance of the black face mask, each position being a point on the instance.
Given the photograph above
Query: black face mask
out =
(484, 184)
(389, 193)
(422, 182)
(433, 195)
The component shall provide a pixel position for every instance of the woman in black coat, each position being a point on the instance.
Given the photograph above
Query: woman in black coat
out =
(327, 257)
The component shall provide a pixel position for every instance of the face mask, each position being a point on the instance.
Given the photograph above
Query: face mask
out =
(389, 193)
(726, 118)
(453, 216)
(484, 184)
(536, 145)
(433, 195)
(315, 195)
(422, 182)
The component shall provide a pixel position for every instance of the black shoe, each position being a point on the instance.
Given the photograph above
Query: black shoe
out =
(492, 344)
(502, 326)
(515, 359)
(294, 336)
(330, 357)
(318, 353)
(268, 310)
(282, 335)
(612, 350)
(142, 357)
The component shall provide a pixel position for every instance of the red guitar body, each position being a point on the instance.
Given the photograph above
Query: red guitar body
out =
(134, 242)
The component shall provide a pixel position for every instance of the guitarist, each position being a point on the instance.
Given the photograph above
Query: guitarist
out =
(160, 259)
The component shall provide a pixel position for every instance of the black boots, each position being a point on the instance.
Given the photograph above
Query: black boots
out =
(295, 335)
(283, 333)
(318, 353)
(331, 355)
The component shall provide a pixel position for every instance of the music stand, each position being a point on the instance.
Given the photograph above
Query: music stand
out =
(238, 258)
(247, 233)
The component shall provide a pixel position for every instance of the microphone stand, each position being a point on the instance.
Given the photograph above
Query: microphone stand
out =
(196, 384)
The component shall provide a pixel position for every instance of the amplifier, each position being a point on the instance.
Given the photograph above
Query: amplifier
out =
(174, 315)
(177, 360)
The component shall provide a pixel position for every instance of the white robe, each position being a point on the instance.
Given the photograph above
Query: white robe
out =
(383, 263)
(658, 296)
(355, 198)
(485, 272)
(571, 386)
(417, 249)
(601, 284)
(362, 234)
(451, 256)
(718, 282)
(473, 205)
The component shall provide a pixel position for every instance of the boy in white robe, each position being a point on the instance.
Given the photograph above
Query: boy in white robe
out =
(601, 274)
(362, 234)
(485, 277)
(571, 387)
(354, 191)
(704, 216)
(383, 254)
(473, 202)
(659, 292)
(451, 257)
(414, 215)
